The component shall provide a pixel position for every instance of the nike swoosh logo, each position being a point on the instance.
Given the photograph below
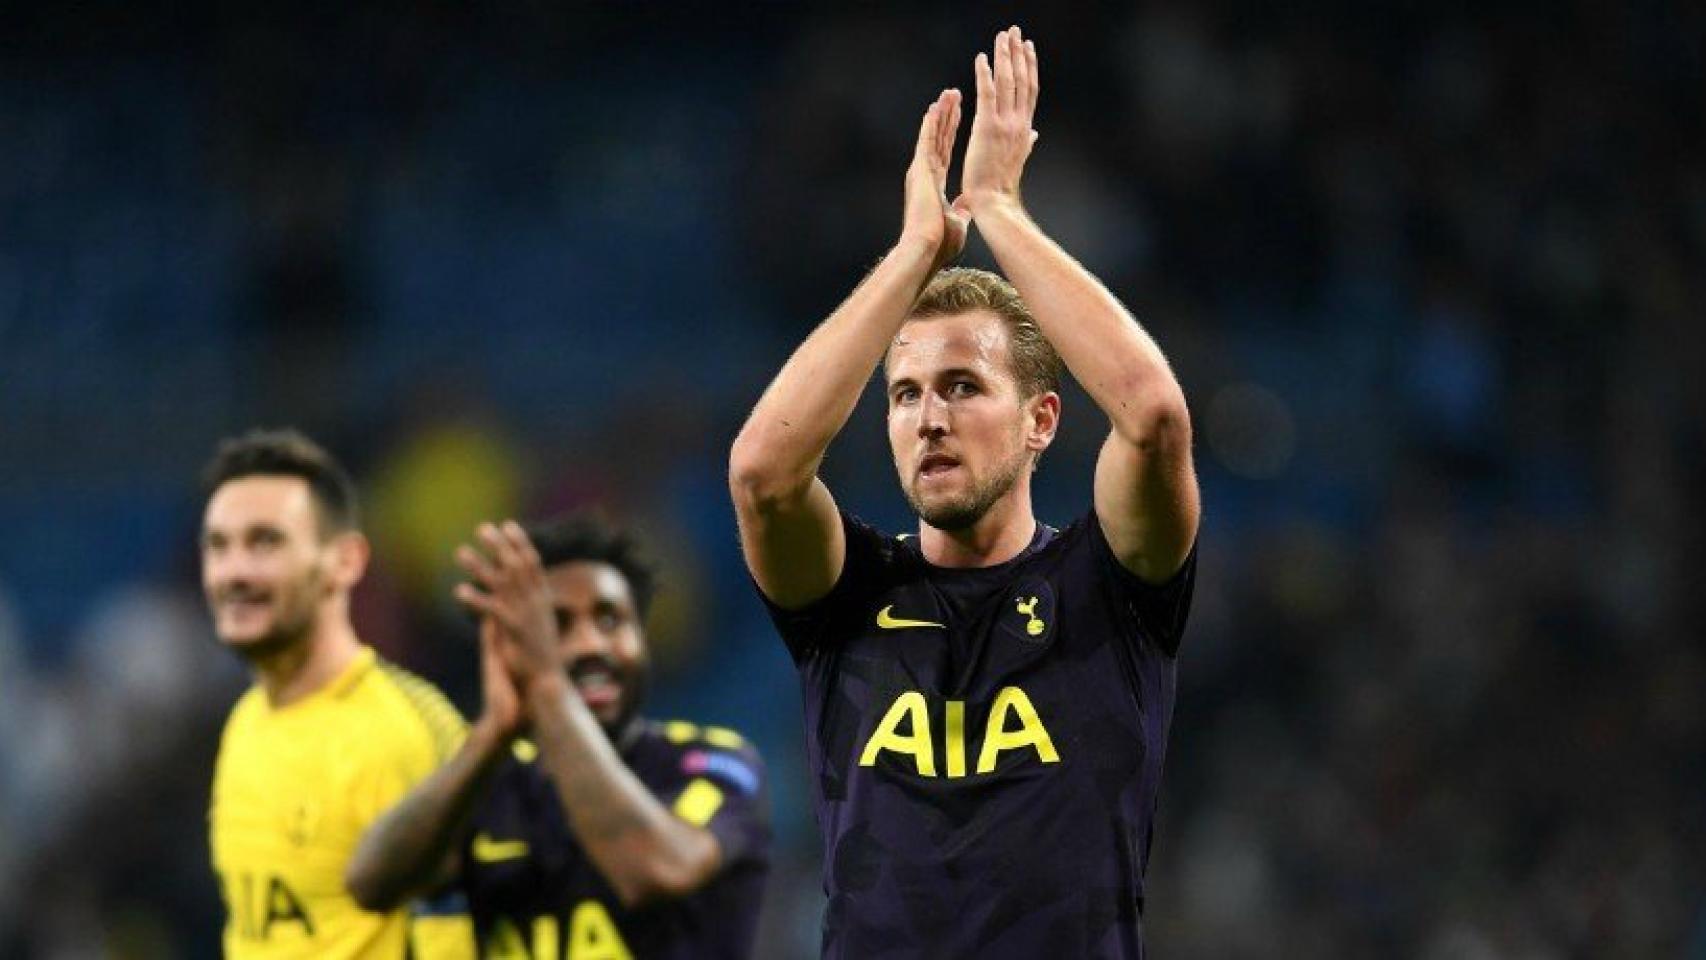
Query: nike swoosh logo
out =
(487, 850)
(887, 621)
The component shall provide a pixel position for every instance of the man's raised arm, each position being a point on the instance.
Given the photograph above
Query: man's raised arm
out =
(1146, 489)
(643, 850)
(413, 848)
(789, 529)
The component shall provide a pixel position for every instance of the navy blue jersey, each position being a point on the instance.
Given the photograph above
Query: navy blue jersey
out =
(987, 745)
(534, 893)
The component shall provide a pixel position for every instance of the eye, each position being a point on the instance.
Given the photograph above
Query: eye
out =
(608, 620)
(906, 395)
(265, 539)
(962, 388)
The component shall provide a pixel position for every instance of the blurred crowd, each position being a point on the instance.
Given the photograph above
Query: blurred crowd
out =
(1431, 277)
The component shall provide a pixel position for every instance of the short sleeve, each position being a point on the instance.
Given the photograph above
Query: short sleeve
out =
(726, 791)
(1160, 609)
(432, 712)
(403, 746)
(869, 553)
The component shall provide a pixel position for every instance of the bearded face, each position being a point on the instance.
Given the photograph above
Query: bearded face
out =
(947, 505)
(961, 433)
(600, 639)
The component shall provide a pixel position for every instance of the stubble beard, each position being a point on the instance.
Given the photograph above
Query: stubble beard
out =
(964, 510)
(290, 629)
(634, 686)
(635, 680)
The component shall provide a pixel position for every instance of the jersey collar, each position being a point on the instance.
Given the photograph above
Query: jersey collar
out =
(362, 662)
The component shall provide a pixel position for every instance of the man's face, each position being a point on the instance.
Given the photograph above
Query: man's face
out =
(600, 640)
(961, 434)
(264, 567)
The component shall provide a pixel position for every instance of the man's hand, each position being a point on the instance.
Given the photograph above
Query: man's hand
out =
(500, 714)
(411, 849)
(1001, 133)
(929, 219)
(509, 588)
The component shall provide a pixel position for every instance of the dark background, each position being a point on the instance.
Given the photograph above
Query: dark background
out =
(1432, 277)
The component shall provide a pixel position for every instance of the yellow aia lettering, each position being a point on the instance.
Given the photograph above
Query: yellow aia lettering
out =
(912, 709)
(592, 936)
(505, 943)
(1031, 732)
(911, 706)
(256, 903)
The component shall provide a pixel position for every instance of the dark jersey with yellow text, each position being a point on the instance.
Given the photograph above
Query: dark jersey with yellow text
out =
(987, 745)
(534, 893)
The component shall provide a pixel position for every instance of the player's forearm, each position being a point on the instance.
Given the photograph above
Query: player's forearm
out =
(409, 849)
(642, 849)
(1118, 363)
(779, 449)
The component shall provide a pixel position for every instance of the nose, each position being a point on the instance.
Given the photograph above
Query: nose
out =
(229, 567)
(932, 416)
(584, 638)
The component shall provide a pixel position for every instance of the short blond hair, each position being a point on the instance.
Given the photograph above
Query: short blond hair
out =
(958, 290)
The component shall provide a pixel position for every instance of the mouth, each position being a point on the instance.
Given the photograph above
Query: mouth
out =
(244, 605)
(597, 682)
(936, 465)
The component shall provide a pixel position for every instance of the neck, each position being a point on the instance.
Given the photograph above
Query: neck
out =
(293, 673)
(997, 537)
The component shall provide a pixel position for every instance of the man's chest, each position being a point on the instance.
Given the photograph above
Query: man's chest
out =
(954, 680)
(282, 827)
(968, 640)
(533, 889)
(522, 858)
(279, 793)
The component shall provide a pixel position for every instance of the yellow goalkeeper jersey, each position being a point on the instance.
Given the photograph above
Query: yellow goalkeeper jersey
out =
(293, 791)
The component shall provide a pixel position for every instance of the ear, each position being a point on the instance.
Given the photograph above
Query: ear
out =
(1042, 420)
(349, 555)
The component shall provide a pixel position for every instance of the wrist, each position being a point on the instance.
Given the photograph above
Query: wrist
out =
(547, 684)
(489, 736)
(994, 204)
(914, 249)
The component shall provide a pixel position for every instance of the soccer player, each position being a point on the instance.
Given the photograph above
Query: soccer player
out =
(601, 835)
(987, 703)
(329, 736)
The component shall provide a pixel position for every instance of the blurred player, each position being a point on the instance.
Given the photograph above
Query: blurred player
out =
(603, 835)
(330, 735)
(987, 703)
